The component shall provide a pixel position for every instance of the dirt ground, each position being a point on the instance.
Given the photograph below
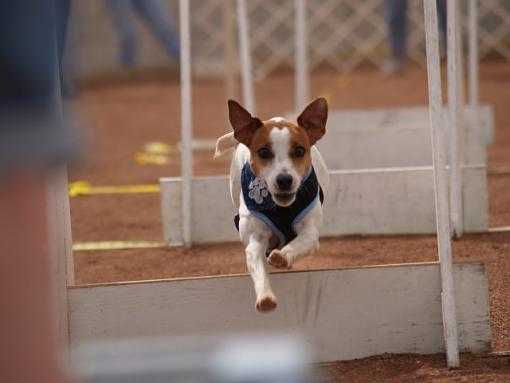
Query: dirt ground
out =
(120, 119)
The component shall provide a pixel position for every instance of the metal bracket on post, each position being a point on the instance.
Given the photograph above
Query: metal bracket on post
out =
(441, 183)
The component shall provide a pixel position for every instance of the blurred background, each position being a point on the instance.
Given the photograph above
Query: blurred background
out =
(121, 77)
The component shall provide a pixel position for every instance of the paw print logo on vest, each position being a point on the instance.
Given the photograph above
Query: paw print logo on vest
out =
(258, 190)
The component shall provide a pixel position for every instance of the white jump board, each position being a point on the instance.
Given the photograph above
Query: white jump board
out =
(394, 137)
(373, 201)
(347, 314)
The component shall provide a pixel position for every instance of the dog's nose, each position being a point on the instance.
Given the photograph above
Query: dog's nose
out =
(284, 181)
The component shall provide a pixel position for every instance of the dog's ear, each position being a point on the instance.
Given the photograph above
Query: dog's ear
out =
(313, 119)
(242, 122)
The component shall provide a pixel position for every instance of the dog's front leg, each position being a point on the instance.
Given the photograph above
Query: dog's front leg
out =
(306, 242)
(256, 262)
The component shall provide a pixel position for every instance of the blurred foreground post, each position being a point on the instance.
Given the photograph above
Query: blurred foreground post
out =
(441, 183)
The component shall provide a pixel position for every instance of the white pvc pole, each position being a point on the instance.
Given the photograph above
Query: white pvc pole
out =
(186, 125)
(440, 183)
(473, 57)
(230, 65)
(245, 52)
(455, 116)
(301, 80)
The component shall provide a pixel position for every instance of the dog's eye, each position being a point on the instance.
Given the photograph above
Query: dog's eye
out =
(299, 151)
(264, 153)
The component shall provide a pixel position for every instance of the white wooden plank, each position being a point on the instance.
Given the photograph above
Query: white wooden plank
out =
(439, 160)
(390, 137)
(347, 314)
(409, 116)
(389, 145)
(370, 201)
(186, 206)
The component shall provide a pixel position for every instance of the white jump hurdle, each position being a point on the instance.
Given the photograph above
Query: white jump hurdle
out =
(365, 201)
(346, 314)
(394, 138)
(391, 137)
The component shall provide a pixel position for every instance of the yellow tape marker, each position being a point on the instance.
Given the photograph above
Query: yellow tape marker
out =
(157, 148)
(84, 188)
(117, 245)
(151, 159)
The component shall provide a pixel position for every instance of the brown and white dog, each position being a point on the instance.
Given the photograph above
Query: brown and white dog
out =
(281, 158)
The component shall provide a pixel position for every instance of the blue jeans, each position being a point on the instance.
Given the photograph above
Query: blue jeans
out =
(158, 19)
(396, 13)
(32, 133)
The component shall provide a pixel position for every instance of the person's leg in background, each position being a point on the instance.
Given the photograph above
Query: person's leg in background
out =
(159, 19)
(124, 23)
(67, 85)
(32, 141)
(441, 15)
(396, 15)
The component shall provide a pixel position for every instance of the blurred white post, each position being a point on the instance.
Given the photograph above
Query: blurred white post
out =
(440, 183)
(245, 51)
(301, 66)
(473, 58)
(186, 125)
(230, 66)
(60, 247)
(455, 115)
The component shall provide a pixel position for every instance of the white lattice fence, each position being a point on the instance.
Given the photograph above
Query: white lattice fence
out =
(343, 34)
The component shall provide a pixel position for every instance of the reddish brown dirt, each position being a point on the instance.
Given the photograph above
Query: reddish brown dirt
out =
(418, 368)
(121, 118)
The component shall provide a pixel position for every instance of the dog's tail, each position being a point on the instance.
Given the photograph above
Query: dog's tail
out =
(225, 144)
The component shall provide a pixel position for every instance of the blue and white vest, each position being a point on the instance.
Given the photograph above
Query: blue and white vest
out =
(281, 220)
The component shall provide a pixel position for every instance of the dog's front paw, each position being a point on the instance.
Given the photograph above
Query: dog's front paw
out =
(266, 304)
(278, 259)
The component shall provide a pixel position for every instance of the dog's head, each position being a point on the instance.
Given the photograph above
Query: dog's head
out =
(280, 150)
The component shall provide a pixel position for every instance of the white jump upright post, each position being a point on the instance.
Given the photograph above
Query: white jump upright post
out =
(441, 183)
(230, 67)
(186, 123)
(301, 66)
(473, 58)
(245, 52)
(60, 247)
(455, 115)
